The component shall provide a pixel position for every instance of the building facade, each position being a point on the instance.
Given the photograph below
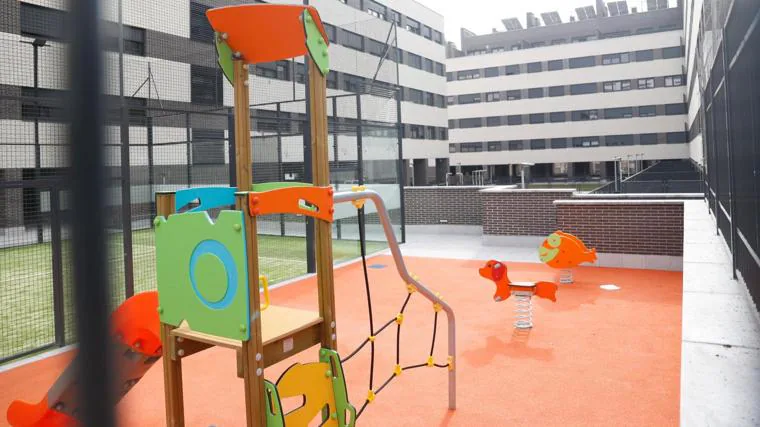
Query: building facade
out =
(570, 98)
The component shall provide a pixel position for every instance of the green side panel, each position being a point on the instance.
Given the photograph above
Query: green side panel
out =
(316, 44)
(340, 391)
(225, 57)
(202, 273)
(275, 417)
(267, 186)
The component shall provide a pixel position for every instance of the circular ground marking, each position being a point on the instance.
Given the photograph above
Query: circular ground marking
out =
(213, 274)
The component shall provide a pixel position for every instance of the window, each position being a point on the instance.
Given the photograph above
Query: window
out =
(470, 147)
(414, 60)
(443, 134)
(613, 140)
(535, 67)
(515, 145)
(451, 100)
(616, 58)
(375, 9)
(536, 92)
(208, 146)
(498, 49)
(468, 75)
(493, 121)
(48, 105)
(556, 91)
(646, 83)
(538, 44)
(449, 77)
(274, 70)
(557, 117)
(583, 115)
(332, 80)
(37, 21)
(584, 88)
(395, 16)
(555, 65)
(492, 96)
(647, 111)
(558, 41)
(476, 52)
(417, 131)
(675, 137)
(537, 118)
(452, 148)
(415, 96)
(618, 113)
(514, 120)
(134, 39)
(353, 83)
(301, 73)
(413, 26)
(475, 122)
(671, 81)
(350, 40)
(429, 132)
(471, 98)
(648, 138)
(440, 102)
(492, 72)
(582, 62)
(672, 52)
(427, 65)
(427, 32)
(617, 86)
(206, 85)
(376, 48)
(586, 141)
(537, 144)
(440, 69)
(200, 29)
(512, 70)
(429, 98)
(644, 55)
(674, 109)
(437, 37)
(452, 124)
(559, 143)
(513, 95)
(330, 30)
(494, 146)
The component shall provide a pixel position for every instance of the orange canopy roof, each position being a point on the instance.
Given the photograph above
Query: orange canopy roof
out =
(264, 32)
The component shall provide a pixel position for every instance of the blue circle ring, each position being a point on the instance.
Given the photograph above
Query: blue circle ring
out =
(214, 247)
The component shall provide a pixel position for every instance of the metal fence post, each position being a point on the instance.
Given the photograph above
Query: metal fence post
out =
(188, 137)
(360, 165)
(57, 264)
(334, 101)
(151, 169)
(730, 149)
(311, 264)
(126, 196)
(401, 168)
(231, 146)
(280, 175)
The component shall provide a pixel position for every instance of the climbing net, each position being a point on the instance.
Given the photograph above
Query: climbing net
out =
(398, 320)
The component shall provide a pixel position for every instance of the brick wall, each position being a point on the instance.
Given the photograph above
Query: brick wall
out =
(455, 205)
(516, 212)
(626, 227)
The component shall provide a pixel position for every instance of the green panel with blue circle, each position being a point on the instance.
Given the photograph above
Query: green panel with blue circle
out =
(202, 273)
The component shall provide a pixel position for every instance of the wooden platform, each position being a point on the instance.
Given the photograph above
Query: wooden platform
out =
(285, 331)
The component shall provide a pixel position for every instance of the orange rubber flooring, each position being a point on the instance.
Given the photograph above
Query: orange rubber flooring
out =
(593, 358)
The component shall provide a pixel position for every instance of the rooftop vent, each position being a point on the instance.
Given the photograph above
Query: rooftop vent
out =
(551, 18)
(585, 13)
(617, 8)
(512, 24)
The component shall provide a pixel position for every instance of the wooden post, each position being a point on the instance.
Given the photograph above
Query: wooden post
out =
(253, 349)
(323, 230)
(173, 396)
(242, 127)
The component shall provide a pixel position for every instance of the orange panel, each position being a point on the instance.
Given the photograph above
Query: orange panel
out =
(315, 202)
(22, 414)
(137, 321)
(264, 32)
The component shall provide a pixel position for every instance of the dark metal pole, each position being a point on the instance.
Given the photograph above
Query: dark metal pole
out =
(360, 169)
(730, 149)
(334, 101)
(311, 265)
(88, 236)
(400, 135)
(189, 154)
(151, 171)
(56, 243)
(37, 149)
(126, 197)
(280, 176)
(231, 144)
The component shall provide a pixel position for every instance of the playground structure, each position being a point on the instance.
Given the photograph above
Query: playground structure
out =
(523, 292)
(564, 252)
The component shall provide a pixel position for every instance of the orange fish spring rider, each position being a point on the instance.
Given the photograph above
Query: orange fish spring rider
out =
(564, 251)
(496, 271)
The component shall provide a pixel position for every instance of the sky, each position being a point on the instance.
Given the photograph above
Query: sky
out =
(481, 16)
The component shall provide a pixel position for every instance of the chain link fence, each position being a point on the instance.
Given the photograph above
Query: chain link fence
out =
(171, 129)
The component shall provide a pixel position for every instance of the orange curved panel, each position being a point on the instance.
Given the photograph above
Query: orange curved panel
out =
(264, 32)
(23, 414)
(137, 321)
(316, 202)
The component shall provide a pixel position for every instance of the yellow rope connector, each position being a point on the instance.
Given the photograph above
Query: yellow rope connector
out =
(430, 361)
(450, 363)
(371, 338)
(411, 288)
(370, 396)
(397, 370)
(400, 318)
(437, 307)
(358, 204)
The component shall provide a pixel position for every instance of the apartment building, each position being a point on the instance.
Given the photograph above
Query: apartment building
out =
(569, 98)
(169, 64)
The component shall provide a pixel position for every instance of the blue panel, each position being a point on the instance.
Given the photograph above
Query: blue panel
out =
(209, 197)
(214, 247)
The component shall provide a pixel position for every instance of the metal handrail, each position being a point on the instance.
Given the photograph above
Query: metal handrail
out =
(385, 220)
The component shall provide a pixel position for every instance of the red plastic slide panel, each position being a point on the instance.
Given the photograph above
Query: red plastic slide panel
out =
(264, 32)
(136, 323)
(23, 414)
(316, 202)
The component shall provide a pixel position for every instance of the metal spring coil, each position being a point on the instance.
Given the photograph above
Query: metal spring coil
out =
(566, 276)
(523, 310)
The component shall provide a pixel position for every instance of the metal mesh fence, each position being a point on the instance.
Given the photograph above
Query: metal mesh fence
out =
(731, 100)
(170, 130)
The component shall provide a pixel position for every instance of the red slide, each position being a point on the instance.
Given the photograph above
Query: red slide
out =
(137, 344)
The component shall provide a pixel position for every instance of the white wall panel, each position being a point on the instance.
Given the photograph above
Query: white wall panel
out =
(425, 149)
(695, 150)
(424, 115)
